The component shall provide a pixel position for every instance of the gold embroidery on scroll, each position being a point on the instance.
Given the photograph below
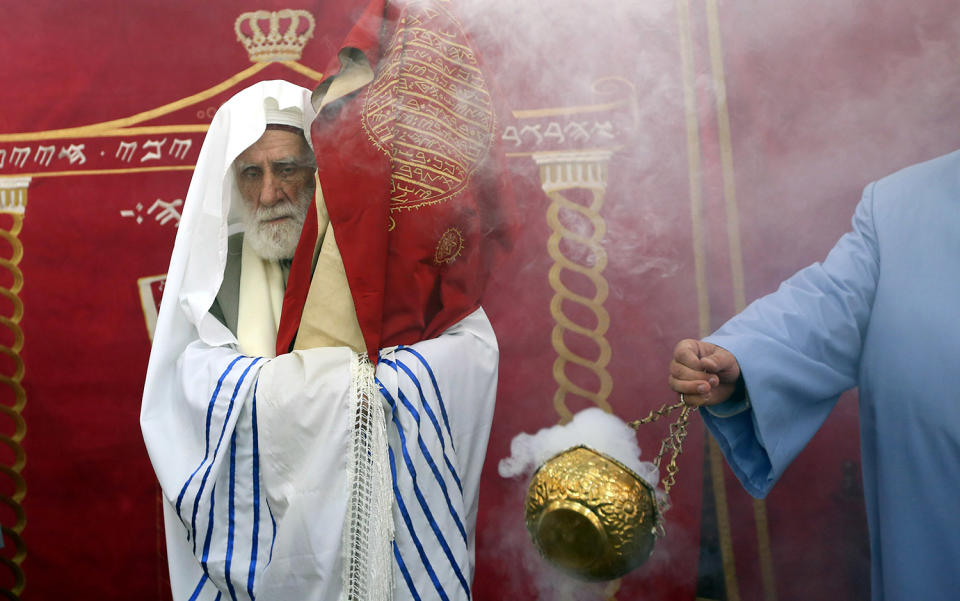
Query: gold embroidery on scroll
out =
(429, 109)
(449, 247)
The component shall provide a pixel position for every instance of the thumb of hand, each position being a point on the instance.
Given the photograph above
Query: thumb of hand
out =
(719, 361)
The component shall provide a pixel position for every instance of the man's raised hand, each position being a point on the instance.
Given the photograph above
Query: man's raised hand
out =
(704, 373)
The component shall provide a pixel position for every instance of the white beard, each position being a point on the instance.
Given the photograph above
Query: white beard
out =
(275, 241)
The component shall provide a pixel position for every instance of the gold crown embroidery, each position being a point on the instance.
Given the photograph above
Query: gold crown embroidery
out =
(273, 45)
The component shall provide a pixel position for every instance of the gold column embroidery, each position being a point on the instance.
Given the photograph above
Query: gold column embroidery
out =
(563, 172)
(13, 202)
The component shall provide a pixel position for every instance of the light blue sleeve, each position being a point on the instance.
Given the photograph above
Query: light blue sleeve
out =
(798, 349)
(729, 408)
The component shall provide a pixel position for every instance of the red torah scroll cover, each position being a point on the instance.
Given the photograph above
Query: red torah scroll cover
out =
(414, 178)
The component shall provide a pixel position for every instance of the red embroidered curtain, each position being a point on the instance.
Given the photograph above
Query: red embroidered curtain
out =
(661, 153)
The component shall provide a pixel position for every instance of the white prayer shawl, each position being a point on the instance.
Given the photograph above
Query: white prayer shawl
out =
(252, 451)
(257, 504)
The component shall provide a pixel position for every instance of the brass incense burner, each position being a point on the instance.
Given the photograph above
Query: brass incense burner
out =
(593, 517)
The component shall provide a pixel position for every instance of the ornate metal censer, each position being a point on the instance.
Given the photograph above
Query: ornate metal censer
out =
(593, 517)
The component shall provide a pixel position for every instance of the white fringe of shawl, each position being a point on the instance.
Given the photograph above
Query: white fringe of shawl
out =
(368, 531)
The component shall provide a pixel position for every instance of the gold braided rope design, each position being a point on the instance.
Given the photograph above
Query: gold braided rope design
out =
(556, 178)
(12, 534)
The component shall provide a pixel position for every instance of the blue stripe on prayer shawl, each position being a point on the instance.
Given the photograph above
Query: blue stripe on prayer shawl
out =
(436, 388)
(423, 448)
(196, 591)
(404, 571)
(213, 399)
(433, 419)
(218, 596)
(206, 543)
(441, 539)
(413, 535)
(273, 539)
(256, 496)
(433, 468)
(423, 501)
(231, 520)
(206, 474)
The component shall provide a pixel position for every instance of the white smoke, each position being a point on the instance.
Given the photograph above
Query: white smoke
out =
(593, 428)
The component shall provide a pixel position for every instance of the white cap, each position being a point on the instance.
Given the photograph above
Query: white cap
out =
(291, 116)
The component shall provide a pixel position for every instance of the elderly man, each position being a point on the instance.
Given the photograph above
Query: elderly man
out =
(275, 178)
(310, 474)
(879, 313)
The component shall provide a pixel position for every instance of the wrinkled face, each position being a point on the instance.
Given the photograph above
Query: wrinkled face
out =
(275, 178)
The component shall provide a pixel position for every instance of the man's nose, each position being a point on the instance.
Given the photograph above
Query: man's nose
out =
(272, 191)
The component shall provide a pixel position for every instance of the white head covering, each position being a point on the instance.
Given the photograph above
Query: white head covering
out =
(200, 251)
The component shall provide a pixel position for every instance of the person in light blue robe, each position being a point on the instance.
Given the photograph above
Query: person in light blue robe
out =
(882, 313)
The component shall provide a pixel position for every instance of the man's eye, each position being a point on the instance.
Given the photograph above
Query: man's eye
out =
(251, 173)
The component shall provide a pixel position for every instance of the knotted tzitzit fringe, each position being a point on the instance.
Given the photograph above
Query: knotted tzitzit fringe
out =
(368, 531)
